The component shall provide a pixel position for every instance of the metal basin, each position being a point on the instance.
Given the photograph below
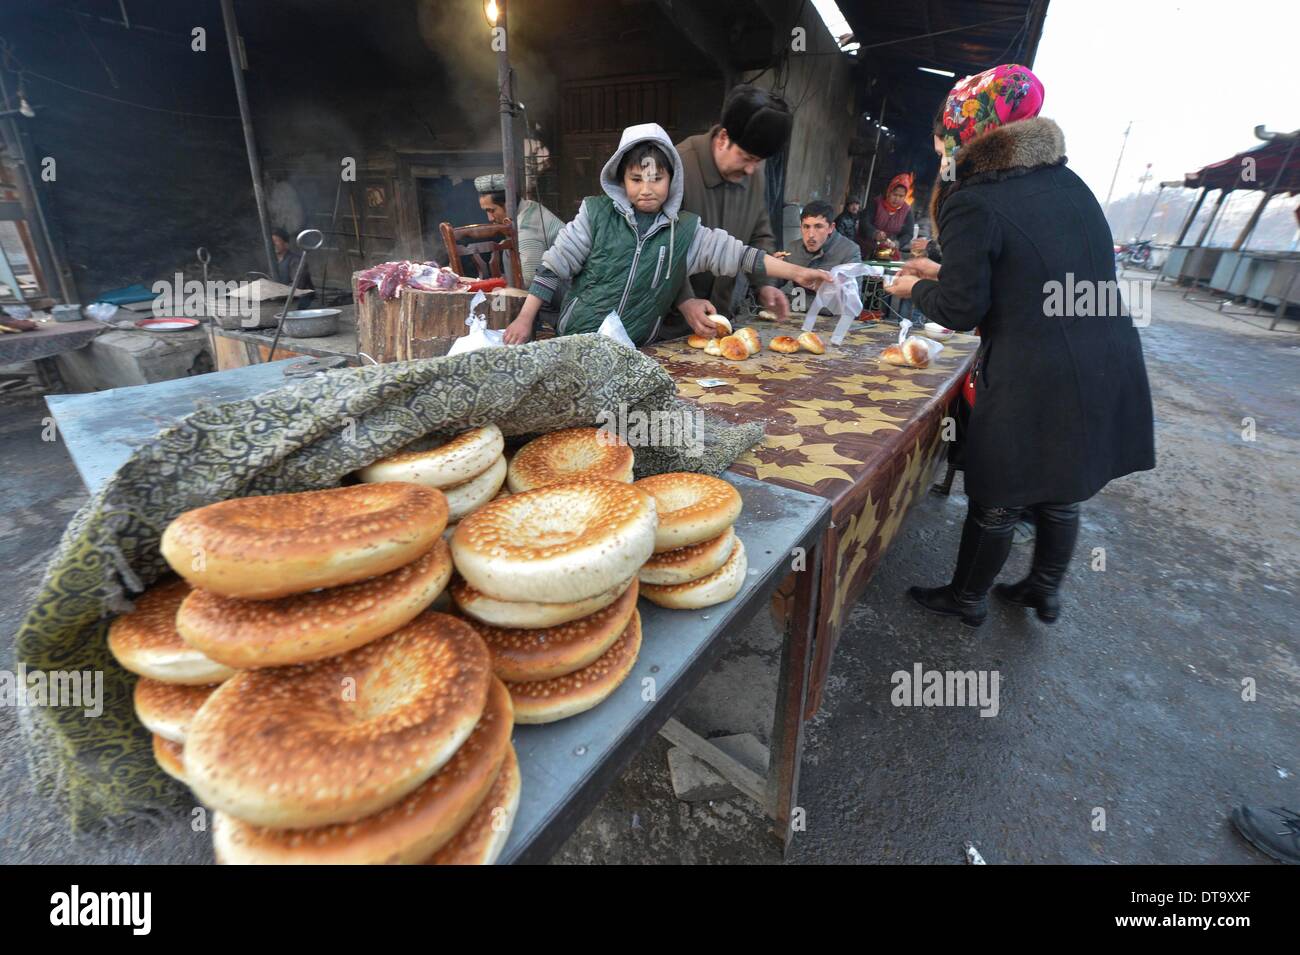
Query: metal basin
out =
(311, 322)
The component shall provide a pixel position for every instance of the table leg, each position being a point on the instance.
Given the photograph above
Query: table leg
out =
(791, 696)
(47, 373)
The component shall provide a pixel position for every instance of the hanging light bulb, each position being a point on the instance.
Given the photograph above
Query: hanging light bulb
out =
(490, 11)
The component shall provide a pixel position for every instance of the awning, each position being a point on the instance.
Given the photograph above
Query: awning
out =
(1253, 169)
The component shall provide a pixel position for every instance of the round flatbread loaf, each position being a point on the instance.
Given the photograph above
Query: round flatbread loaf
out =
(461, 459)
(691, 508)
(250, 634)
(570, 455)
(685, 564)
(481, 840)
(469, 497)
(168, 709)
(528, 655)
(146, 641)
(260, 548)
(546, 701)
(408, 831)
(169, 757)
(342, 738)
(560, 543)
(528, 614)
(719, 587)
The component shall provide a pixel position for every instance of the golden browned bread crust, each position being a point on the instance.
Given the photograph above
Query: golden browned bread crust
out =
(481, 840)
(528, 655)
(684, 564)
(697, 341)
(719, 587)
(751, 340)
(259, 548)
(462, 458)
(692, 508)
(569, 455)
(784, 343)
(810, 341)
(249, 634)
(734, 348)
(146, 642)
(408, 831)
(168, 757)
(559, 543)
(168, 709)
(546, 701)
(342, 738)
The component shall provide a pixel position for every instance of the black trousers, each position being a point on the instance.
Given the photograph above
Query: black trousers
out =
(986, 542)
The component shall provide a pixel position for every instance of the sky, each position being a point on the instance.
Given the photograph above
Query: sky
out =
(1195, 77)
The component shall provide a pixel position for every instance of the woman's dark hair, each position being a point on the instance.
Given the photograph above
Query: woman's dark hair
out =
(818, 208)
(280, 233)
(640, 151)
(938, 118)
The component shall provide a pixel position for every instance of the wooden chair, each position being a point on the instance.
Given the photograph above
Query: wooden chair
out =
(485, 244)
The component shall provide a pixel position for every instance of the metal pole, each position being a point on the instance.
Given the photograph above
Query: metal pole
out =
(506, 106)
(1191, 217)
(1111, 191)
(245, 117)
(871, 171)
(1159, 192)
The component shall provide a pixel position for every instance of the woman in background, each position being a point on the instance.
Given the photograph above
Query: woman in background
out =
(888, 219)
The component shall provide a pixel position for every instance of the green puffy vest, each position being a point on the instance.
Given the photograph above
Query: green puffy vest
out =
(626, 275)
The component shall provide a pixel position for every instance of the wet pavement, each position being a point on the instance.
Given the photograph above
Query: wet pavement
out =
(1121, 732)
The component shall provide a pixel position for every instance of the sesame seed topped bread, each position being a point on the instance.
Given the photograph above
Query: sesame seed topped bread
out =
(546, 701)
(146, 641)
(260, 548)
(684, 564)
(168, 709)
(464, 457)
(527, 655)
(569, 455)
(719, 587)
(304, 627)
(342, 738)
(559, 543)
(406, 832)
(692, 508)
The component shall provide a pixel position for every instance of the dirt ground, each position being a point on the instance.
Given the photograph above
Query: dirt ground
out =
(1132, 704)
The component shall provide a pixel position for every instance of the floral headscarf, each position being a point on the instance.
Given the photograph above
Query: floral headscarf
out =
(987, 100)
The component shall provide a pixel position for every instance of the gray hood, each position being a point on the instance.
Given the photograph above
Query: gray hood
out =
(613, 185)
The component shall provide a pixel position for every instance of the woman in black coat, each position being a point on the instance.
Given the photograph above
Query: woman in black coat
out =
(1062, 404)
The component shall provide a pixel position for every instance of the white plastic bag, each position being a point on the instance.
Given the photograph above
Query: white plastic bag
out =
(479, 336)
(935, 348)
(612, 327)
(841, 297)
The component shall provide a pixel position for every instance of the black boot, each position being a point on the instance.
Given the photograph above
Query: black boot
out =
(1058, 529)
(985, 543)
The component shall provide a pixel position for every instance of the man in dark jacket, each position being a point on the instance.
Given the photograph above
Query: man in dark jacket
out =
(846, 223)
(1062, 404)
(725, 188)
(820, 245)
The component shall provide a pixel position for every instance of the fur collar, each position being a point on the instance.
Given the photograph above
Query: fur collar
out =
(1011, 150)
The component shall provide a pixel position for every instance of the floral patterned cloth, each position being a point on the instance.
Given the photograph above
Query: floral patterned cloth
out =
(990, 99)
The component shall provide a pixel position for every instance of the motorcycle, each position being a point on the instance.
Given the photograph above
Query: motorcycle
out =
(1136, 253)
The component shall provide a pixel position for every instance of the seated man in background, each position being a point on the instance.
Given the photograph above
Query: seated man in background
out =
(535, 225)
(820, 245)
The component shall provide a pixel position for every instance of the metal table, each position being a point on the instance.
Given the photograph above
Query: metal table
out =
(568, 765)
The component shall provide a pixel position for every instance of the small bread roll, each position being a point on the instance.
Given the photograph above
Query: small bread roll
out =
(723, 323)
(734, 348)
(916, 353)
(712, 348)
(697, 341)
(751, 340)
(810, 342)
(784, 343)
(767, 315)
(894, 355)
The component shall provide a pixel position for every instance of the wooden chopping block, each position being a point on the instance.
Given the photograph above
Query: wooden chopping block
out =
(424, 324)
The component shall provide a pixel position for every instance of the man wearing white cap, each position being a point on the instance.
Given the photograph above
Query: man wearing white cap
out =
(535, 225)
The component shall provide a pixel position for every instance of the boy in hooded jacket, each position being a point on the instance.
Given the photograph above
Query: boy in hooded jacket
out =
(629, 251)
